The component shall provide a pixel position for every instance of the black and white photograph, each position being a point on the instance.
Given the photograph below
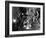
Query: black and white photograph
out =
(24, 18)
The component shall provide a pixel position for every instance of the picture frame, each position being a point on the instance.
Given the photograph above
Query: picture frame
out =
(11, 6)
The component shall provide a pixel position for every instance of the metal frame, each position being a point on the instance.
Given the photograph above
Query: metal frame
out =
(7, 18)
